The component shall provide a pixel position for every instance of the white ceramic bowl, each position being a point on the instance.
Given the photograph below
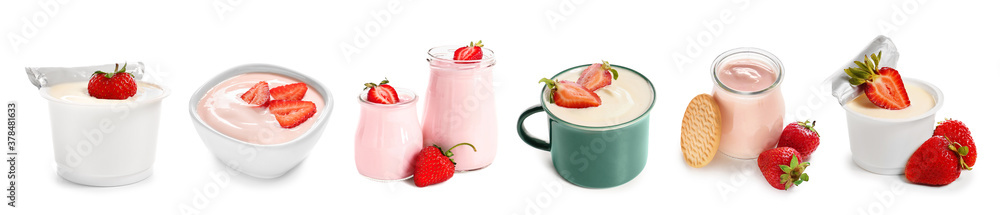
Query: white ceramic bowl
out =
(884, 145)
(262, 161)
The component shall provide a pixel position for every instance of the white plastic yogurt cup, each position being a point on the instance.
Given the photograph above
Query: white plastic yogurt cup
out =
(882, 145)
(100, 142)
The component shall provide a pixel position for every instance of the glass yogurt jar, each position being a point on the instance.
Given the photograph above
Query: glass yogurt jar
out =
(748, 91)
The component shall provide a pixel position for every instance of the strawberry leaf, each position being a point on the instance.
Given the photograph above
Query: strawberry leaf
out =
(785, 168)
(795, 162)
(123, 67)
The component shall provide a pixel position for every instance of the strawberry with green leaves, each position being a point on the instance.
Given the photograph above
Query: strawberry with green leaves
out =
(117, 85)
(801, 136)
(956, 131)
(936, 162)
(781, 167)
(434, 165)
(883, 85)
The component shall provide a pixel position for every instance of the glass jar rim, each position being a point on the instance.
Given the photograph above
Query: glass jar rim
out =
(363, 98)
(722, 58)
(445, 53)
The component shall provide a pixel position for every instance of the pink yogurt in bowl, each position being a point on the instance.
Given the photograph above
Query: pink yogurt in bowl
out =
(248, 138)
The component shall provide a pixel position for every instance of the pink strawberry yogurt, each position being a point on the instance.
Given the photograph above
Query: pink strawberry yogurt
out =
(748, 91)
(223, 110)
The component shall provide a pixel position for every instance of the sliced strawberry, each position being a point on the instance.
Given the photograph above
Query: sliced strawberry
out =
(571, 95)
(257, 95)
(293, 92)
(883, 86)
(291, 113)
(887, 90)
(597, 76)
(472, 52)
(382, 93)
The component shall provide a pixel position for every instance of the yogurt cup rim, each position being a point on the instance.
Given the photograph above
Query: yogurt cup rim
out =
(645, 114)
(166, 92)
(748, 50)
(936, 94)
(262, 68)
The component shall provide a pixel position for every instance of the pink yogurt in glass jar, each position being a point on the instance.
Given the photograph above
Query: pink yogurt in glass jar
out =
(388, 137)
(748, 91)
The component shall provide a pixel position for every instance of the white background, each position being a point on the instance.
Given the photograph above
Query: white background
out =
(950, 44)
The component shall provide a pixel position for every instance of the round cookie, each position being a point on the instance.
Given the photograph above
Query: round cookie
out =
(701, 131)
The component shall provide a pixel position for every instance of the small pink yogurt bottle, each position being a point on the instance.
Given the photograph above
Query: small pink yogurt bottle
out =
(388, 137)
(748, 91)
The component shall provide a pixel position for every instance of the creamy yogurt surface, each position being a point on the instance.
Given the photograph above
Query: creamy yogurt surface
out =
(222, 109)
(920, 102)
(627, 98)
(76, 93)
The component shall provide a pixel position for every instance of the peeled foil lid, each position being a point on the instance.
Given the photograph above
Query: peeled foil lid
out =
(839, 83)
(49, 76)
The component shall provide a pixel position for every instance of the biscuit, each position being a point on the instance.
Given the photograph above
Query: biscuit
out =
(701, 131)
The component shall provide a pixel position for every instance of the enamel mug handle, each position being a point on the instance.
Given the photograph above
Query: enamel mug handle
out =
(530, 140)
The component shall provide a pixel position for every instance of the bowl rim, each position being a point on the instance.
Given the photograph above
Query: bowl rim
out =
(198, 94)
(936, 93)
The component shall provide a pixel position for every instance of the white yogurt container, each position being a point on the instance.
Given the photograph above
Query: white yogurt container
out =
(100, 142)
(883, 145)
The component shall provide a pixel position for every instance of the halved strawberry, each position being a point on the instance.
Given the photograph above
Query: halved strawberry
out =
(883, 86)
(294, 92)
(257, 95)
(570, 94)
(597, 76)
(291, 113)
(472, 52)
(382, 93)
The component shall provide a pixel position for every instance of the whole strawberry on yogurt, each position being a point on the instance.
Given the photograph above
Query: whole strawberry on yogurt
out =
(117, 84)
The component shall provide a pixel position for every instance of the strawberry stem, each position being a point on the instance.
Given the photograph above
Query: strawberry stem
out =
(449, 153)
(962, 151)
(794, 173)
(607, 66)
(810, 127)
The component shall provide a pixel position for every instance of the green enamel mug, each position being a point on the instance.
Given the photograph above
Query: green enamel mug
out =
(594, 156)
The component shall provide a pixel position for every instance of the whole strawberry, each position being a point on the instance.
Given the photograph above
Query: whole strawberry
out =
(117, 84)
(435, 166)
(936, 162)
(781, 167)
(956, 131)
(801, 136)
